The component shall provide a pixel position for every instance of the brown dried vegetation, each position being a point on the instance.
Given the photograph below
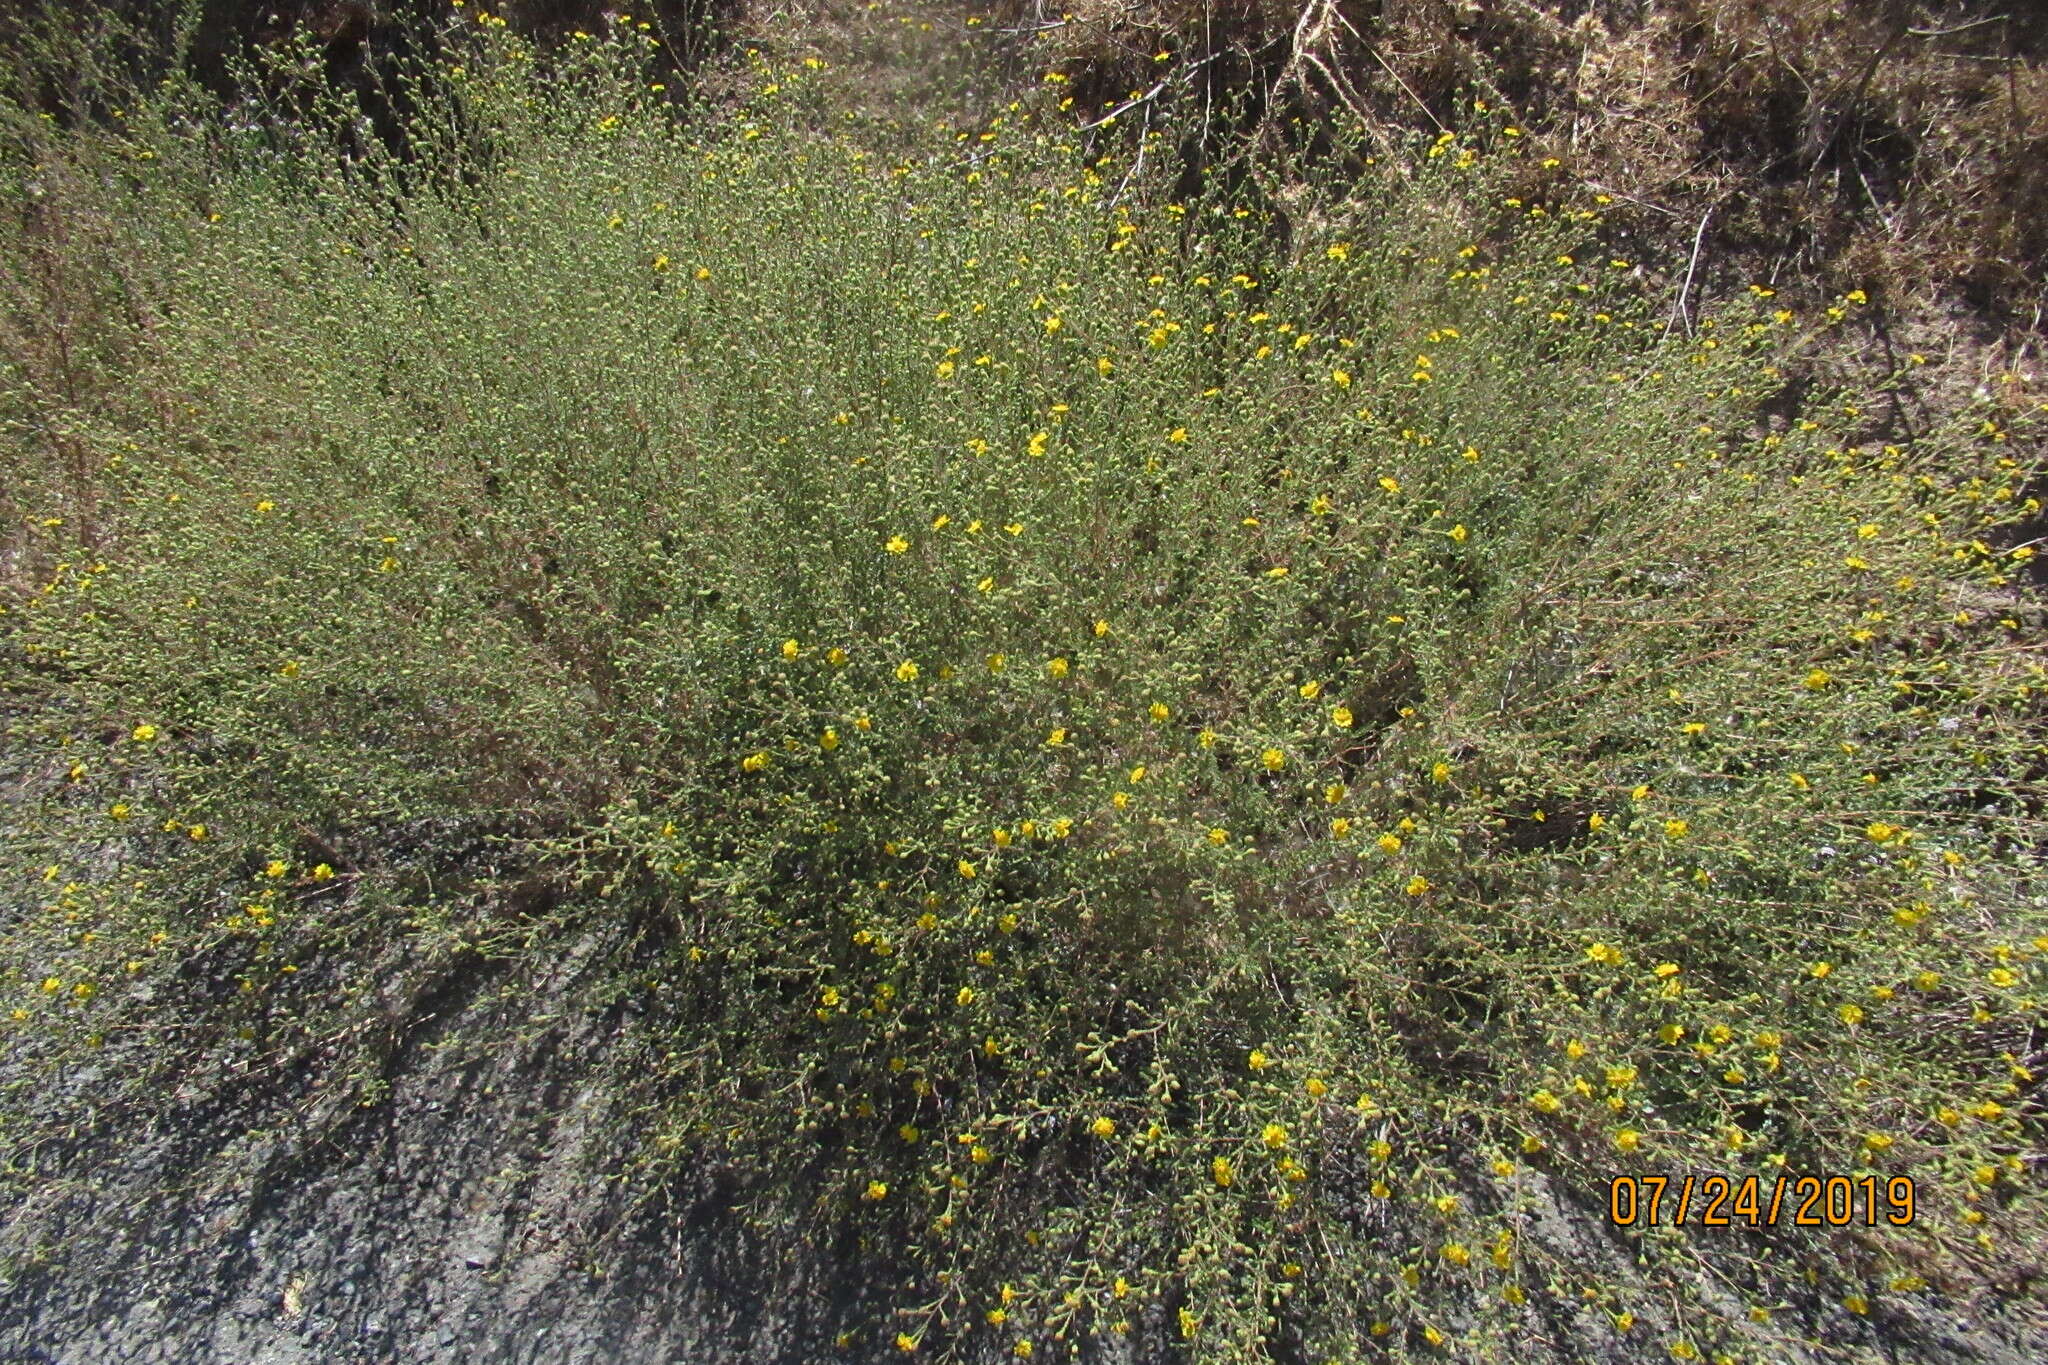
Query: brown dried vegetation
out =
(1893, 146)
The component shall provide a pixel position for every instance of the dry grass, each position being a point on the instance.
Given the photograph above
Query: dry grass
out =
(1895, 147)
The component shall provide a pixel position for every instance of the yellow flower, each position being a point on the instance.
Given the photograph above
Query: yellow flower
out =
(322, 873)
(1310, 690)
(1219, 836)
(1455, 1253)
(1101, 629)
(829, 740)
(276, 868)
(1852, 1015)
(790, 649)
(1440, 773)
(1878, 831)
(1160, 711)
(1389, 843)
(966, 868)
(1274, 760)
(876, 1190)
(753, 763)
(1389, 483)
(1103, 1127)
(897, 545)
(1459, 533)
(835, 656)
(1341, 378)
(197, 832)
(1340, 716)
(1628, 1139)
(1818, 679)
(1052, 324)
(1057, 668)
(1316, 1087)
(966, 996)
(1058, 736)
(144, 733)
(1258, 1060)
(1340, 828)
(1416, 885)
(1675, 829)
(1220, 1171)
(1595, 821)
(906, 671)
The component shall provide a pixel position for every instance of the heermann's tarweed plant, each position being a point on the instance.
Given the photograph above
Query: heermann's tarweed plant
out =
(1161, 759)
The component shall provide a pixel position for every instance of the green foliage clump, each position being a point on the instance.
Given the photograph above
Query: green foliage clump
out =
(1165, 757)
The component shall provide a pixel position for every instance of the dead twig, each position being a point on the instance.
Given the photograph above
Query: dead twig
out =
(1137, 166)
(1959, 28)
(1678, 313)
(1631, 199)
(1150, 95)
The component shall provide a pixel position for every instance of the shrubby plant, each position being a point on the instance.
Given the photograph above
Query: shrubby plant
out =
(1170, 762)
